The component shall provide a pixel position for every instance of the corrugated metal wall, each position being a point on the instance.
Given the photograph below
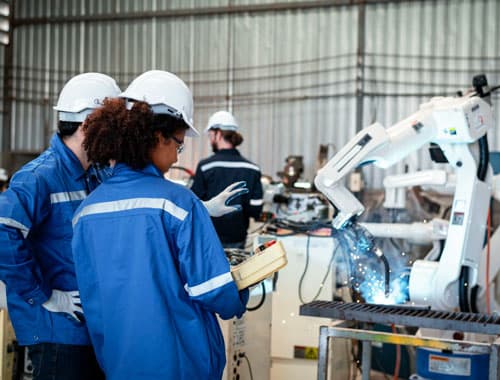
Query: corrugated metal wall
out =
(288, 75)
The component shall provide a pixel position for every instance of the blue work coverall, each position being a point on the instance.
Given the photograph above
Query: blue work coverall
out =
(152, 274)
(35, 244)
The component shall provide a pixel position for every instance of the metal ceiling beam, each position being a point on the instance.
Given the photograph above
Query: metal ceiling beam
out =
(205, 11)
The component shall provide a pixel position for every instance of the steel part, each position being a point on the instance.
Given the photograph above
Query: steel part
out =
(403, 315)
(323, 353)
(366, 359)
(283, 6)
(344, 332)
(493, 361)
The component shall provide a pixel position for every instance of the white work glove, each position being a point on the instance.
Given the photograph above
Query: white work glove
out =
(218, 205)
(64, 302)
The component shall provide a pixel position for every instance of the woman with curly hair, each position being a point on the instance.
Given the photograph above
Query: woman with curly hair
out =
(151, 271)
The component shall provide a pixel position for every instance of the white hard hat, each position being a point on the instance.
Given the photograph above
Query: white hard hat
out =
(84, 93)
(166, 93)
(3, 175)
(222, 120)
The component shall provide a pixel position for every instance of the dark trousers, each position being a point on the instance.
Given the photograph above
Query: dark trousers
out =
(53, 361)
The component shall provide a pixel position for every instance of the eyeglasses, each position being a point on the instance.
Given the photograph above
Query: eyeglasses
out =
(180, 144)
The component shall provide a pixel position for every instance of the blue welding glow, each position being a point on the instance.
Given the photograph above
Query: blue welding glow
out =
(367, 274)
(373, 289)
(358, 247)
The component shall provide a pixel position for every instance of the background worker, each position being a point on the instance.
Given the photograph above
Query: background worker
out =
(36, 261)
(224, 167)
(4, 180)
(152, 272)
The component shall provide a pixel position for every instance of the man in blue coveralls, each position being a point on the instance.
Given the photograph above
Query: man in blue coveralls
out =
(36, 262)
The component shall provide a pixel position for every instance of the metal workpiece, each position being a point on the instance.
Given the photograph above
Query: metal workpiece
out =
(404, 315)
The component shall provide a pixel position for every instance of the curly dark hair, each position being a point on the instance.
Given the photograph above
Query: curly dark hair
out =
(112, 132)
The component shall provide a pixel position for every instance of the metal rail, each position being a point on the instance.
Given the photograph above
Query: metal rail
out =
(402, 315)
(283, 6)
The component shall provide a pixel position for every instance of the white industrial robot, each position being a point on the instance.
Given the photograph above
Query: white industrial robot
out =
(458, 125)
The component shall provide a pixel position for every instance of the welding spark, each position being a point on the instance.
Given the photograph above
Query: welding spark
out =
(373, 289)
(364, 259)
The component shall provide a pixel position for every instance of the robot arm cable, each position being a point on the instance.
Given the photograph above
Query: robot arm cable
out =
(484, 158)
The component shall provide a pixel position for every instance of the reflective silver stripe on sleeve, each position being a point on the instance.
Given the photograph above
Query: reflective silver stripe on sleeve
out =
(68, 196)
(14, 223)
(256, 202)
(226, 164)
(209, 285)
(131, 204)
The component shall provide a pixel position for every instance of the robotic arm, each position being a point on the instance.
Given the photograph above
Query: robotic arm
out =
(442, 120)
(329, 179)
(457, 125)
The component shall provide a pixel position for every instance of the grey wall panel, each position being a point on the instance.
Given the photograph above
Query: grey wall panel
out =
(289, 76)
(291, 82)
(29, 116)
(281, 84)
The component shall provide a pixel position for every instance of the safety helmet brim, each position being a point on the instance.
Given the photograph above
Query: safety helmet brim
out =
(74, 117)
(163, 109)
(222, 127)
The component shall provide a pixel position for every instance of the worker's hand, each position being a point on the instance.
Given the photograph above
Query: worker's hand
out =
(65, 302)
(218, 205)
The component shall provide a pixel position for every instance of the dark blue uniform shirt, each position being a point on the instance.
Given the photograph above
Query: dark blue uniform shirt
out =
(217, 172)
